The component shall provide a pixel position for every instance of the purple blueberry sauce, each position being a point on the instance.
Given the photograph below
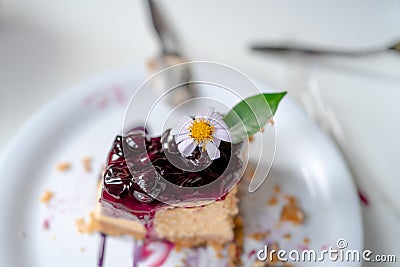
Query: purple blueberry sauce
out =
(136, 159)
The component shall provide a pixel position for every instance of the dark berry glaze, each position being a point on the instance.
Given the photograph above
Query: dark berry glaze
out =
(136, 159)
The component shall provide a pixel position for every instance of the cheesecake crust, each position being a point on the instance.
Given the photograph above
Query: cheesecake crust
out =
(186, 227)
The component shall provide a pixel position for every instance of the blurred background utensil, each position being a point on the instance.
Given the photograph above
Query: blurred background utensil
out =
(285, 48)
(305, 86)
(170, 55)
(395, 47)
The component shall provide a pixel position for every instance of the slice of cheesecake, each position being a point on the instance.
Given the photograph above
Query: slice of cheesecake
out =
(205, 215)
(181, 186)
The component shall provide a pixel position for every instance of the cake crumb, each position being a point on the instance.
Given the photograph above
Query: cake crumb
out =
(87, 161)
(178, 248)
(291, 212)
(47, 197)
(306, 240)
(271, 121)
(272, 201)
(63, 166)
(277, 189)
(262, 130)
(81, 225)
(90, 226)
(251, 138)
(218, 247)
(291, 199)
(82, 249)
(287, 236)
(260, 235)
(259, 263)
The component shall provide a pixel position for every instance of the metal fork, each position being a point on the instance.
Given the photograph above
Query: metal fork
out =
(169, 56)
(286, 48)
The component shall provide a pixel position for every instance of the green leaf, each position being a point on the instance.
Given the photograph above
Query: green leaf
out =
(251, 114)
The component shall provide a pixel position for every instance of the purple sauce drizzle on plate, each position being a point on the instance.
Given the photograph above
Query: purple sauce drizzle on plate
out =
(102, 247)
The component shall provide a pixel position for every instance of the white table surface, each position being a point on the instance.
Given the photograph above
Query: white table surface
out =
(47, 46)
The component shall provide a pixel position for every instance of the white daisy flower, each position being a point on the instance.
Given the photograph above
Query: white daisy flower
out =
(205, 130)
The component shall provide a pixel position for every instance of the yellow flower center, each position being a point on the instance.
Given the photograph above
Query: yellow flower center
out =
(201, 130)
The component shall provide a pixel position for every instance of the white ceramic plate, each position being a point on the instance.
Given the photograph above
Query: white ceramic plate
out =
(83, 122)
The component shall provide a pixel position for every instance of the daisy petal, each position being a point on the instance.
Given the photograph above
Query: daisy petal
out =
(217, 142)
(223, 134)
(181, 125)
(221, 124)
(217, 117)
(212, 150)
(207, 113)
(180, 137)
(186, 147)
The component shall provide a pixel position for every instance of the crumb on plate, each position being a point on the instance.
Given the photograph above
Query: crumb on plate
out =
(287, 236)
(272, 201)
(81, 225)
(178, 248)
(46, 197)
(259, 263)
(291, 200)
(63, 166)
(260, 235)
(87, 161)
(291, 212)
(277, 189)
